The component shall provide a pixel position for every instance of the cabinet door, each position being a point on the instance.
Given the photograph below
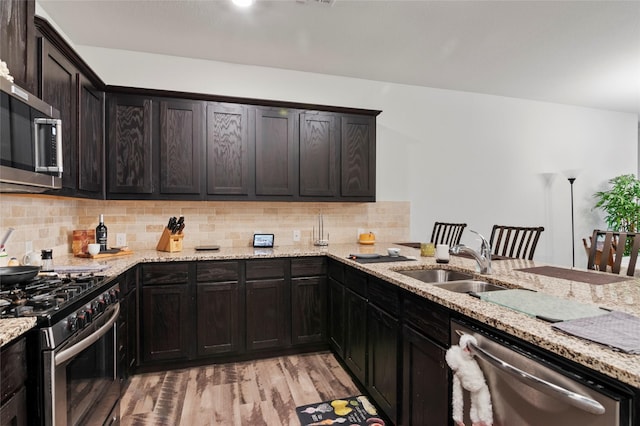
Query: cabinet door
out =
(383, 347)
(17, 44)
(132, 331)
(219, 318)
(228, 150)
(59, 89)
(266, 314)
(318, 155)
(181, 144)
(275, 152)
(90, 138)
(308, 297)
(165, 322)
(425, 381)
(355, 346)
(130, 159)
(336, 320)
(358, 153)
(14, 411)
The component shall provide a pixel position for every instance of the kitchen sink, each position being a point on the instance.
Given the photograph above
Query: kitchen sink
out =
(456, 281)
(471, 286)
(434, 276)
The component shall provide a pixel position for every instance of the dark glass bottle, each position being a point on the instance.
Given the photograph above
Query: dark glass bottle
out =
(101, 234)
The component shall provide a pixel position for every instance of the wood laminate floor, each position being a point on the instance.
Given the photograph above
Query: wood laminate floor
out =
(262, 392)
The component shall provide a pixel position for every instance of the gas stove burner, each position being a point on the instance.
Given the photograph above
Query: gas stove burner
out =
(46, 294)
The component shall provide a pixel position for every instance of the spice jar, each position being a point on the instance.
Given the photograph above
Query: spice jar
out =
(47, 260)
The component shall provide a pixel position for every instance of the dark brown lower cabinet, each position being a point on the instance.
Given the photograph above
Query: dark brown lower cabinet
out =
(13, 374)
(266, 314)
(355, 345)
(308, 297)
(165, 322)
(336, 319)
(383, 349)
(219, 318)
(425, 389)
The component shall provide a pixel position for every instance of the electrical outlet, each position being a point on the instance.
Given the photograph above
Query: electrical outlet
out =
(360, 231)
(296, 235)
(28, 246)
(121, 240)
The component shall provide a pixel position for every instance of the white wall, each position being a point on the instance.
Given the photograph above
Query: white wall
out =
(456, 156)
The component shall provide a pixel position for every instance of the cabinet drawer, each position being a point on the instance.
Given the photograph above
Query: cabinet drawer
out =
(218, 271)
(384, 295)
(428, 318)
(13, 368)
(262, 269)
(356, 281)
(165, 273)
(308, 267)
(336, 271)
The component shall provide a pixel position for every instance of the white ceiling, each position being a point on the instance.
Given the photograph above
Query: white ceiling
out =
(584, 53)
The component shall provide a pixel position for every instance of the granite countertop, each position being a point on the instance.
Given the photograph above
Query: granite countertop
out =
(12, 328)
(622, 296)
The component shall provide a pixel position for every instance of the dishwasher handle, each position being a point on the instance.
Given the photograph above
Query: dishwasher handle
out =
(579, 401)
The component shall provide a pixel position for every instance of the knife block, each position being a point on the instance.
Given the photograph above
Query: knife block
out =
(170, 242)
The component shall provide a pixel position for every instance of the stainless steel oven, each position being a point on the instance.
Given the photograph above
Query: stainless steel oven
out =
(78, 381)
(81, 376)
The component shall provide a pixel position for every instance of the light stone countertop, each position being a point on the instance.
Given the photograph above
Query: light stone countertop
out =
(622, 296)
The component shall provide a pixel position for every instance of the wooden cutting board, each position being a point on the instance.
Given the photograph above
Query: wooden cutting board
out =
(540, 305)
(105, 255)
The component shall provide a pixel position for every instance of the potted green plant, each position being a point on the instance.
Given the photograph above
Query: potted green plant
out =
(621, 203)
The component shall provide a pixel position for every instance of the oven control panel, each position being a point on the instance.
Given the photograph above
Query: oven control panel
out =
(81, 318)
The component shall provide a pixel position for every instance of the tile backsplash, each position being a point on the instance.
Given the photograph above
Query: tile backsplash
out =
(48, 221)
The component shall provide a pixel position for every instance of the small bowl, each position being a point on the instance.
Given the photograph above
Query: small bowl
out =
(393, 252)
(93, 249)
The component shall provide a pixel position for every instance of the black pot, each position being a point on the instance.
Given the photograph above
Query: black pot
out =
(10, 275)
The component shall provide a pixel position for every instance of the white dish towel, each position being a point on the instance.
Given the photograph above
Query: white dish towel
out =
(468, 376)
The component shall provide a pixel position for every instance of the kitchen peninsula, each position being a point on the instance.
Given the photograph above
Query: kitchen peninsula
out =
(622, 296)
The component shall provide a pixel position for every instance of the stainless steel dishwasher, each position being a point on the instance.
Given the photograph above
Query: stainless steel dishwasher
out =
(528, 389)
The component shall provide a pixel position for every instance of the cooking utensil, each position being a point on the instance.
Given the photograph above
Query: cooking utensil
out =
(364, 256)
(10, 275)
(6, 237)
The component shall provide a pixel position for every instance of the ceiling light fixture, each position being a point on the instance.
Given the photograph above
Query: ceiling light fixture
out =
(242, 3)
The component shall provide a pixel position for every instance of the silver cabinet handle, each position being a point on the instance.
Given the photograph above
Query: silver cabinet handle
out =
(579, 401)
(74, 350)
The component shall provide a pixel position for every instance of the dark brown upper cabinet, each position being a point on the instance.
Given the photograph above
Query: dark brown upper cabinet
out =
(59, 89)
(90, 137)
(358, 152)
(130, 145)
(276, 152)
(66, 83)
(318, 155)
(17, 41)
(229, 159)
(182, 134)
(165, 145)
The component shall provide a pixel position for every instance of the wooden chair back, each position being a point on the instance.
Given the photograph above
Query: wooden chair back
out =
(515, 241)
(447, 233)
(614, 244)
(598, 256)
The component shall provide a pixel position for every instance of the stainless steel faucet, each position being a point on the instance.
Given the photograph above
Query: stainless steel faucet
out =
(483, 258)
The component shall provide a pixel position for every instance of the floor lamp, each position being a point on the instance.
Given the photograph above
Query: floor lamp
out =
(573, 239)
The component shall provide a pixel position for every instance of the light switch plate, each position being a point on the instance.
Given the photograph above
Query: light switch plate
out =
(296, 235)
(121, 240)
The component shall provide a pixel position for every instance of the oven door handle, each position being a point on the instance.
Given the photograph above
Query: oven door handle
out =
(74, 350)
(577, 400)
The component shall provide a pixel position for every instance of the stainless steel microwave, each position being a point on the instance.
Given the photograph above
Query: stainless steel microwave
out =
(30, 142)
